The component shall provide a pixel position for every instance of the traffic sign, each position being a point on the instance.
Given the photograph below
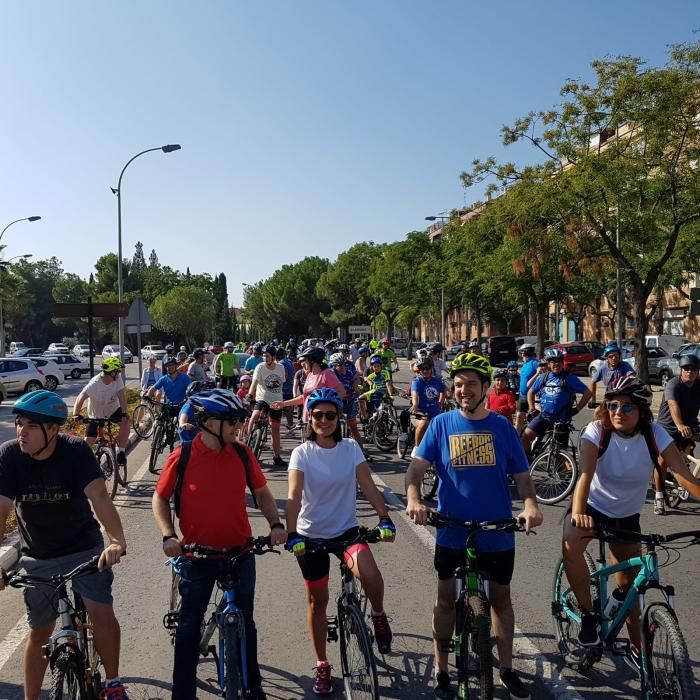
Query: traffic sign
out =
(359, 330)
(85, 310)
(135, 328)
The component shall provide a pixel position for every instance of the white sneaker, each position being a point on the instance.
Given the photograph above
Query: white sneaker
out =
(659, 506)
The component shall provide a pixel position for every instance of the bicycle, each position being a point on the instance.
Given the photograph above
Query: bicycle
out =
(665, 668)
(675, 493)
(164, 433)
(349, 626)
(472, 636)
(258, 435)
(143, 417)
(554, 464)
(76, 668)
(385, 425)
(105, 450)
(230, 651)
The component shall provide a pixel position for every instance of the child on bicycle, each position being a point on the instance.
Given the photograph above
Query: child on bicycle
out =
(501, 398)
(380, 385)
(324, 473)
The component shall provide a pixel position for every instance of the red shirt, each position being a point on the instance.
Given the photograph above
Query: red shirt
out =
(213, 509)
(503, 403)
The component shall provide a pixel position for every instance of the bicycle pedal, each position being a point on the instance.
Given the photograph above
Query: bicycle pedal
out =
(620, 647)
(332, 629)
(170, 620)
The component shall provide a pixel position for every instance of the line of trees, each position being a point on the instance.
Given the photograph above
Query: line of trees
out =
(620, 153)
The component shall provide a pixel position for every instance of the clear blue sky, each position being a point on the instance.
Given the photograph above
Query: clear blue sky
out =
(306, 126)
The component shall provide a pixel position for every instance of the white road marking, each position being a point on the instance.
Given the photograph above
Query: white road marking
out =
(16, 636)
(530, 657)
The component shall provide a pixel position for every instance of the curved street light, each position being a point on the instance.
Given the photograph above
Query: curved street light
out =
(2, 320)
(169, 148)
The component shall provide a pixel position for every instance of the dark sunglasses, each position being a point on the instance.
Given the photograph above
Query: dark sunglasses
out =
(627, 408)
(233, 421)
(328, 415)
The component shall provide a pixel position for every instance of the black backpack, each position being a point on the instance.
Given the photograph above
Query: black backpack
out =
(185, 451)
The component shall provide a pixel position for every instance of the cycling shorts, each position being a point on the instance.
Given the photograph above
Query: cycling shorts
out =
(495, 566)
(630, 522)
(315, 567)
(275, 416)
(91, 428)
(350, 408)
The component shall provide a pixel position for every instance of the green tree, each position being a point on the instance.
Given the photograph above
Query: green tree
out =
(187, 311)
(138, 262)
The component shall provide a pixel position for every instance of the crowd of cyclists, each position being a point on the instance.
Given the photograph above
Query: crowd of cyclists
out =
(474, 424)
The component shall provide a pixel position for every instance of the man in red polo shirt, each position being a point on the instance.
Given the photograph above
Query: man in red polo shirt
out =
(213, 514)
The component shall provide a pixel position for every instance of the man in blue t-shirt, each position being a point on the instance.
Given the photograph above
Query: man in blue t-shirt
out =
(254, 360)
(557, 389)
(174, 384)
(527, 372)
(475, 451)
(427, 396)
(611, 370)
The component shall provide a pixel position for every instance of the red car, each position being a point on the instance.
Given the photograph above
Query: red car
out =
(577, 357)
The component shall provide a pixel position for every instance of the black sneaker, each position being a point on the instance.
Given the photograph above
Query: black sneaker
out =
(121, 457)
(590, 627)
(442, 688)
(510, 681)
(279, 462)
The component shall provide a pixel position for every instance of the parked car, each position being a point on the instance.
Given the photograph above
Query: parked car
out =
(417, 347)
(596, 364)
(53, 374)
(157, 351)
(668, 366)
(595, 347)
(3, 392)
(20, 374)
(577, 357)
(70, 365)
(28, 352)
(83, 350)
(16, 345)
(500, 349)
(113, 351)
(58, 348)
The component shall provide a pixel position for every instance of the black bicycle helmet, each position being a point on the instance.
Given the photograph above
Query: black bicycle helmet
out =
(314, 354)
(689, 361)
(195, 388)
(270, 349)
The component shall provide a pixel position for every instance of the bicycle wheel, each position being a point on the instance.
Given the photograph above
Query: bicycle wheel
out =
(403, 445)
(670, 671)
(232, 641)
(384, 433)
(108, 465)
(66, 679)
(430, 483)
(119, 470)
(142, 420)
(95, 669)
(156, 448)
(553, 475)
(255, 441)
(567, 618)
(356, 656)
(473, 651)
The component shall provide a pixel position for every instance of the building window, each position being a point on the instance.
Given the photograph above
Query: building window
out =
(674, 322)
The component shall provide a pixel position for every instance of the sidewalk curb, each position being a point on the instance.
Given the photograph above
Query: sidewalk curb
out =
(9, 551)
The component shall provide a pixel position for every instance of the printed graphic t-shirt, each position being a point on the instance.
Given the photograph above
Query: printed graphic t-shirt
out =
(270, 382)
(474, 459)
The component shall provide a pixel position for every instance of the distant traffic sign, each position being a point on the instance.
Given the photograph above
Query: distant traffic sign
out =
(359, 330)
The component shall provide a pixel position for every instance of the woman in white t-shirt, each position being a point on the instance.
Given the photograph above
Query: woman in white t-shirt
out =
(612, 490)
(323, 475)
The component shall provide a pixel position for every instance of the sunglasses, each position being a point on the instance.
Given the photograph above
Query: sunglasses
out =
(627, 408)
(328, 415)
(690, 369)
(233, 421)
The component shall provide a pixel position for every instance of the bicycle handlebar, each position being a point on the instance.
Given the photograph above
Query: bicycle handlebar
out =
(256, 545)
(606, 533)
(26, 580)
(440, 520)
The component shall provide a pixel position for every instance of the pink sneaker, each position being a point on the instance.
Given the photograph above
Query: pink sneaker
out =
(323, 685)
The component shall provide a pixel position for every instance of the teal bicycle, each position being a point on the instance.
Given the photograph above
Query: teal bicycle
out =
(664, 666)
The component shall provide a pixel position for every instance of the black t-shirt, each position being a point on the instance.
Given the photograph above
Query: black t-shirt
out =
(688, 400)
(53, 513)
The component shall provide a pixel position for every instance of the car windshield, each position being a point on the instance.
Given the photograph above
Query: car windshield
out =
(157, 347)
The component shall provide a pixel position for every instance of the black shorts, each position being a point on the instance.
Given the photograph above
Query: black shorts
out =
(275, 416)
(523, 406)
(631, 522)
(496, 566)
(91, 428)
(316, 566)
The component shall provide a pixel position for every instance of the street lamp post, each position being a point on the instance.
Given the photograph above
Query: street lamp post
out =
(2, 320)
(118, 191)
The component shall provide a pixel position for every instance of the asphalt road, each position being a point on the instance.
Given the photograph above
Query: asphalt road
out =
(142, 581)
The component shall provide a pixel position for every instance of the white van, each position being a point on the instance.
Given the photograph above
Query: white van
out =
(670, 343)
(16, 345)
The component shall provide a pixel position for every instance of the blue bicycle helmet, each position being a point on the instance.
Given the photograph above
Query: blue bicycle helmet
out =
(324, 396)
(512, 365)
(553, 354)
(42, 407)
(220, 404)
(363, 349)
(375, 360)
(613, 347)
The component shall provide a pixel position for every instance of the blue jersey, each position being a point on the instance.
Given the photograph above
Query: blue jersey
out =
(188, 412)
(428, 394)
(474, 459)
(252, 362)
(608, 376)
(527, 372)
(557, 394)
(347, 380)
(174, 390)
(288, 385)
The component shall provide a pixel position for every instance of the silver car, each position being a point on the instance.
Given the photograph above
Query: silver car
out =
(668, 366)
(20, 374)
(113, 351)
